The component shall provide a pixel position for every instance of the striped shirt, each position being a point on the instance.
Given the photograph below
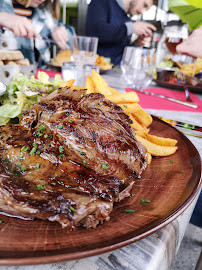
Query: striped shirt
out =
(22, 10)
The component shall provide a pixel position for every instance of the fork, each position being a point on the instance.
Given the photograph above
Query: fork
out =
(181, 78)
(187, 96)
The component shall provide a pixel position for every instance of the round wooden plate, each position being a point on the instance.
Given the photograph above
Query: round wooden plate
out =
(170, 187)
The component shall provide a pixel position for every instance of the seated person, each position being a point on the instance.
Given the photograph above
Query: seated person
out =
(31, 21)
(109, 21)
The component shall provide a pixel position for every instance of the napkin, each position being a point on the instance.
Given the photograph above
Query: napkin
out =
(50, 73)
(151, 102)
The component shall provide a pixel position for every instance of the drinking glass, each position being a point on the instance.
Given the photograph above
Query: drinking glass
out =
(174, 35)
(137, 66)
(83, 52)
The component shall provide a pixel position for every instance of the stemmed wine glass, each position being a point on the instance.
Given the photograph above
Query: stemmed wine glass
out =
(137, 66)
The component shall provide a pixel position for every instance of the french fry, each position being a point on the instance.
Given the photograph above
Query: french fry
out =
(100, 84)
(128, 97)
(89, 85)
(149, 158)
(143, 117)
(67, 83)
(161, 140)
(155, 149)
(136, 126)
(129, 108)
(141, 133)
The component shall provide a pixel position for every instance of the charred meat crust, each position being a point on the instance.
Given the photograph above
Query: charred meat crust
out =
(72, 150)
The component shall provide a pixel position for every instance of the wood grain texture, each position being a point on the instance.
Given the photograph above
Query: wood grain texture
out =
(170, 192)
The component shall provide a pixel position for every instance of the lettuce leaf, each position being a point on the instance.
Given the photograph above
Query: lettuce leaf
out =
(22, 93)
(9, 110)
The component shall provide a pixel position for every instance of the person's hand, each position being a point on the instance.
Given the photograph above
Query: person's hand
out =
(192, 46)
(60, 36)
(142, 40)
(143, 28)
(19, 25)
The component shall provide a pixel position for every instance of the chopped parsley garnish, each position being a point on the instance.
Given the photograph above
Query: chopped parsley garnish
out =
(4, 160)
(40, 186)
(81, 95)
(82, 153)
(129, 211)
(46, 136)
(10, 170)
(61, 149)
(125, 106)
(145, 201)
(84, 162)
(35, 144)
(60, 126)
(70, 121)
(10, 136)
(53, 183)
(37, 165)
(51, 136)
(1, 221)
(171, 161)
(33, 151)
(61, 156)
(181, 171)
(72, 209)
(105, 166)
(21, 155)
(51, 115)
(19, 163)
(25, 148)
(40, 130)
(23, 168)
(38, 152)
(98, 104)
(55, 176)
(155, 157)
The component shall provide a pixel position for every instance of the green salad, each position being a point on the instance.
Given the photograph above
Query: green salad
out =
(23, 92)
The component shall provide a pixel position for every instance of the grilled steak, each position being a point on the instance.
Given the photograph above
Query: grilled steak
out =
(69, 159)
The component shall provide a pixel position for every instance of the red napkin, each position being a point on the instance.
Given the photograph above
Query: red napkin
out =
(151, 102)
(50, 73)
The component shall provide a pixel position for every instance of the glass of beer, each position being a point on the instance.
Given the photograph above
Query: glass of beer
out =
(175, 35)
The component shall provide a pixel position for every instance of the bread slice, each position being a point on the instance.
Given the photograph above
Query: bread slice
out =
(23, 62)
(11, 55)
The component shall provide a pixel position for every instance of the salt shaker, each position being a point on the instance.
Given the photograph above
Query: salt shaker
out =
(69, 71)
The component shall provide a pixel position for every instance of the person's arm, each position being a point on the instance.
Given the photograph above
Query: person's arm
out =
(192, 46)
(97, 25)
(19, 25)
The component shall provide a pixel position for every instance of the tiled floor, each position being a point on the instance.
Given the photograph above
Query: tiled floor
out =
(189, 250)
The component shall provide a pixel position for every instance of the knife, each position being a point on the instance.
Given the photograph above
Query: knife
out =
(187, 103)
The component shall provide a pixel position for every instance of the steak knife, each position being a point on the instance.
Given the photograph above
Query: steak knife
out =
(186, 103)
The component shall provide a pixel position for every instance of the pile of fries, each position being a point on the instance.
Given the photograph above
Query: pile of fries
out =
(191, 69)
(102, 63)
(156, 146)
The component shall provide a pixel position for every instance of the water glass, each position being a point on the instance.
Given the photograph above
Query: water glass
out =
(83, 52)
(137, 66)
(84, 49)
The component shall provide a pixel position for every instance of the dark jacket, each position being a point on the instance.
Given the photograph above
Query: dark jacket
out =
(106, 20)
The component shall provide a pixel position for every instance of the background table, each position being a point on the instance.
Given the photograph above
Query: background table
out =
(157, 251)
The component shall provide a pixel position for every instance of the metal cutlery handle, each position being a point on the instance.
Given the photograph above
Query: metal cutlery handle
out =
(186, 103)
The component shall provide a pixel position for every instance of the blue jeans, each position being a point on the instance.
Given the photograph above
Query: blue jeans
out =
(196, 217)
